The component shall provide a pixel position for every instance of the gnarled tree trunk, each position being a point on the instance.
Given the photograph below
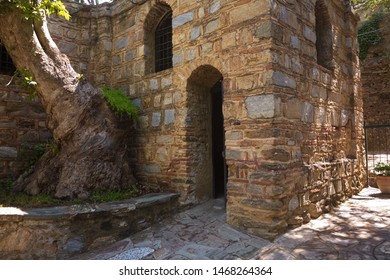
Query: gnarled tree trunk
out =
(92, 147)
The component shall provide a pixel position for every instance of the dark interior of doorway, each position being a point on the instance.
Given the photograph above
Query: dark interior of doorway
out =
(218, 141)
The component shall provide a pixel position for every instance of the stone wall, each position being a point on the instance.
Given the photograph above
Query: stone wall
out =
(375, 79)
(292, 104)
(22, 126)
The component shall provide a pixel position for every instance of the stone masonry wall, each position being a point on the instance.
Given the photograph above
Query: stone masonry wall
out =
(22, 125)
(375, 79)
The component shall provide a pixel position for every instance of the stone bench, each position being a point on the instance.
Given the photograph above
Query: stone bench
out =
(65, 231)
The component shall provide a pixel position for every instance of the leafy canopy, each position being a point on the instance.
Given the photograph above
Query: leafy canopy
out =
(371, 4)
(36, 9)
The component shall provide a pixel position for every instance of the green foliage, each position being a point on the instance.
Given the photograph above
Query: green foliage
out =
(28, 82)
(32, 152)
(101, 196)
(120, 103)
(36, 9)
(369, 34)
(371, 4)
(382, 168)
(10, 198)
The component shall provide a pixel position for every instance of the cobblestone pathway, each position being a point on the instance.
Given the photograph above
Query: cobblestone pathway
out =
(358, 229)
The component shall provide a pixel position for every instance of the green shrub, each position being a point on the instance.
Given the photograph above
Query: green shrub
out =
(120, 103)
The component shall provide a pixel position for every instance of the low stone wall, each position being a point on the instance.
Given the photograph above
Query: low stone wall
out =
(65, 231)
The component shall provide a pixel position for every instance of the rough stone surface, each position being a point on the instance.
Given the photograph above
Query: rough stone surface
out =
(261, 106)
(66, 231)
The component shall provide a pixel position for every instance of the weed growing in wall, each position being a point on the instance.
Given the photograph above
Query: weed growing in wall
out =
(120, 103)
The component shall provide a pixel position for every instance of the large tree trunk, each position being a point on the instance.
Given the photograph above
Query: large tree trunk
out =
(92, 147)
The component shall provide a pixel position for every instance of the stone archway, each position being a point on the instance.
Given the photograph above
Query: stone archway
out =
(205, 133)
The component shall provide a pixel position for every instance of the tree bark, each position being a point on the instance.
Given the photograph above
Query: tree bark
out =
(93, 153)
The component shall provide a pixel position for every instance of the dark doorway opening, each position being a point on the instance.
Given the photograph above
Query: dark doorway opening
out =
(218, 141)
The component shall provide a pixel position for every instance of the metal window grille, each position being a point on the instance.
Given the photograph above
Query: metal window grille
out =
(7, 67)
(163, 43)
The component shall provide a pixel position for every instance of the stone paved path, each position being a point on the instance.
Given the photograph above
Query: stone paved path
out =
(358, 229)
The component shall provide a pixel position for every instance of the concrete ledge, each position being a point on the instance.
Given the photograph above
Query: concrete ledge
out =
(65, 231)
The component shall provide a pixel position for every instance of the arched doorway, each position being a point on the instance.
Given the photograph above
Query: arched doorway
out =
(205, 133)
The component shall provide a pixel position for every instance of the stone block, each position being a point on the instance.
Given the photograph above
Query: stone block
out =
(309, 34)
(228, 40)
(152, 168)
(168, 99)
(137, 102)
(283, 80)
(246, 82)
(162, 154)
(212, 26)
(315, 74)
(8, 152)
(296, 65)
(262, 106)
(335, 118)
(182, 19)
(314, 210)
(169, 116)
(247, 11)
(116, 60)
(130, 54)
(215, 7)
(295, 42)
(156, 119)
(233, 135)
(235, 155)
(195, 33)
(320, 115)
(177, 58)
(276, 154)
(264, 30)
(266, 204)
(153, 83)
(294, 203)
(191, 54)
(166, 82)
(164, 139)
(294, 109)
(307, 112)
(344, 117)
(157, 101)
(121, 42)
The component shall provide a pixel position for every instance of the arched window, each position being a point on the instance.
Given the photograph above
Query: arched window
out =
(158, 38)
(324, 43)
(163, 43)
(7, 67)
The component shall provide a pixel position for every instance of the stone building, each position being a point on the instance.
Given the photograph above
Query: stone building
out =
(256, 101)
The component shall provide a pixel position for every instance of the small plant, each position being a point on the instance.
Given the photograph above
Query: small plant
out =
(101, 196)
(382, 169)
(32, 152)
(28, 82)
(120, 103)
